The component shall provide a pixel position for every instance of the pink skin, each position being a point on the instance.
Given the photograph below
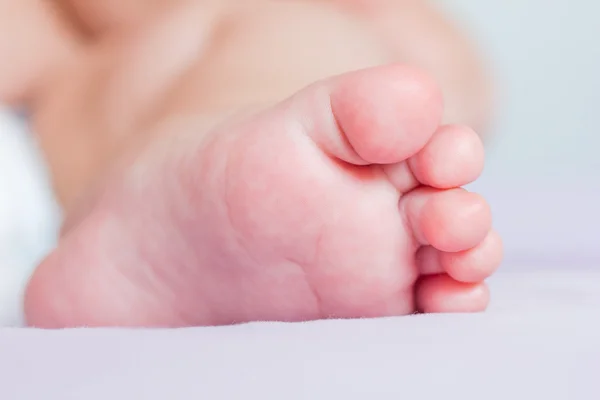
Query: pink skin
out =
(341, 201)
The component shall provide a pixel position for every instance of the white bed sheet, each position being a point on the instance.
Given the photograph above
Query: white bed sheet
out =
(540, 340)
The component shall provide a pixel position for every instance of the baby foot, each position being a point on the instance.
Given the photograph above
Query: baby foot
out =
(340, 202)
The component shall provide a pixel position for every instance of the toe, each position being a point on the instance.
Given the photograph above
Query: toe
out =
(442, 294)
(381, 115)
(473, 265)
(450, 220)
(428, 261)
(476, 264)
(401, 176)
(453, 157)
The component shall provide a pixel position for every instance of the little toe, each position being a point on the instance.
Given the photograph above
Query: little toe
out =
(449, 220)
(442, 294)
(473, 265)
(453, 157)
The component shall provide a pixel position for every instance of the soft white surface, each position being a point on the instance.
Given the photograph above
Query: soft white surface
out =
(540, 340)
(28, 215)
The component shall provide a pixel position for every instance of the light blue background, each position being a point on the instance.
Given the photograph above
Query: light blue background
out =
(546, 57)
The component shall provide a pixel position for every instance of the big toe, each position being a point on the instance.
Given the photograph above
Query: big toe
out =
(381, 115)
